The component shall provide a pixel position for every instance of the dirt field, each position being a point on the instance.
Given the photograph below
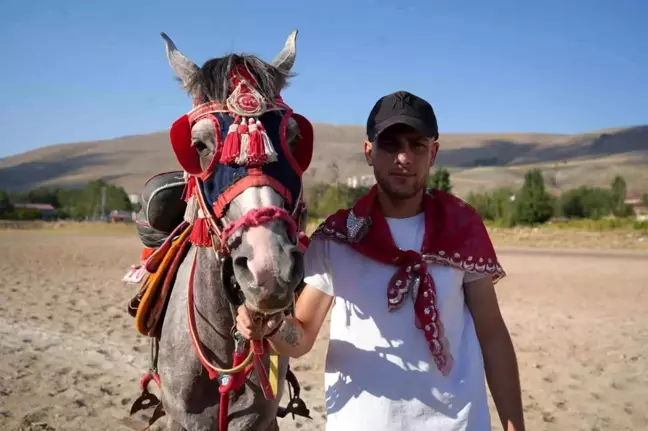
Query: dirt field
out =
(70, 358)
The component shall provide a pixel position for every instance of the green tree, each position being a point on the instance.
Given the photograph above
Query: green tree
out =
(44, 195)
(440, 180)
(481, 202)
(619, 190)
(86, 202)
(5, 203)
(644, 199)
(533, 204)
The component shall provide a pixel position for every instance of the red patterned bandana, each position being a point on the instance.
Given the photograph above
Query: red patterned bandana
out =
(454, 236)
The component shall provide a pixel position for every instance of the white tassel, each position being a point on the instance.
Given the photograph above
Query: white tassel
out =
(268, 148)
(245, 144)
(191, 213)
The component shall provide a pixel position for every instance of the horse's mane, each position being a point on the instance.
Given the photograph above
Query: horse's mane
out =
(211, 81)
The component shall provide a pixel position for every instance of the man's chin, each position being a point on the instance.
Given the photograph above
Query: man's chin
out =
(397, 193)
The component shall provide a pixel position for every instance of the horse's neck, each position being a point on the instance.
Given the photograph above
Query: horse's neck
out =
(211, 304)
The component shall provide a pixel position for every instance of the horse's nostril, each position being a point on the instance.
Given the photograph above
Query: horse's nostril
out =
(241, 269)
(241, 262)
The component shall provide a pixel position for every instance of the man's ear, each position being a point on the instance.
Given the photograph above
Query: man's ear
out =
(368, 150)
(435, 151)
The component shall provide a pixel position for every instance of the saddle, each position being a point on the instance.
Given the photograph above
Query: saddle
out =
(148, 305)
(165, 237)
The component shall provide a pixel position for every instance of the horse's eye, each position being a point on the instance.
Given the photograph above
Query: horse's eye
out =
(200, 146)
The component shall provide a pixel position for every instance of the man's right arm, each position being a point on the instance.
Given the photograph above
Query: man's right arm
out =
(297, 334)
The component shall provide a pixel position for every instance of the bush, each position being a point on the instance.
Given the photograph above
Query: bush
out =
(324, 199)
(496, 206)
(22, 214)
(586, 202)
(440, 180)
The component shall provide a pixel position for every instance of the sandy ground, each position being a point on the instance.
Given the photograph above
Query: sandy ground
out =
(70, 358)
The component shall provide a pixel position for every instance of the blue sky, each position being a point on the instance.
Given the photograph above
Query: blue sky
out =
(86, 70)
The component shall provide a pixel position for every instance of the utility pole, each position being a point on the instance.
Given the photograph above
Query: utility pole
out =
(103, 203)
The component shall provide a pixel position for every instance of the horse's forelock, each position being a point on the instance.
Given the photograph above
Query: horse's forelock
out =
(211, 81)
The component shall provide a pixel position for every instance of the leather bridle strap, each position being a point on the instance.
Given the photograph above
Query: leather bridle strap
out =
(232, 378)
(212, 370)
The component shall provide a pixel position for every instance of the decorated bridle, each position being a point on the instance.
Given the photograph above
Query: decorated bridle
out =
(247, 145)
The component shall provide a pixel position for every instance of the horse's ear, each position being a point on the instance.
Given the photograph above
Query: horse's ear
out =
(181, 65)
(286, 58)
(303, 152)
(185, 153)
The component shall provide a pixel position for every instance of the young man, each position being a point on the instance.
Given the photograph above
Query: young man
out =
(410, 274)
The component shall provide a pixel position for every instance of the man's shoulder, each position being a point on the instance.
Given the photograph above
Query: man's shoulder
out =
(332, 227)
(332, 238)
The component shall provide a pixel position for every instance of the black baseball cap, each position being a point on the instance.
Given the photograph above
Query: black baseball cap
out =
(402, 107)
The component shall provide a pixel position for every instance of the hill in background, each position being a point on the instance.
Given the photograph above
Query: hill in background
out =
(477, 162)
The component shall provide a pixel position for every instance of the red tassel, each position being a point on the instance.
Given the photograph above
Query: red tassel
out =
(256, 152)
(190, 186)
(232, 145)
(200, 234)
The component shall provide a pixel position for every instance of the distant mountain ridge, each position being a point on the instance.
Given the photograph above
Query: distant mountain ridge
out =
(477, 162)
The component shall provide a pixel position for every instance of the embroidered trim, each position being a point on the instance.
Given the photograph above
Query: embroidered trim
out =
(470, 264)
(246, 101)
(216, 107)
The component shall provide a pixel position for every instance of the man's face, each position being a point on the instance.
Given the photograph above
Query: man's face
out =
(401, 158)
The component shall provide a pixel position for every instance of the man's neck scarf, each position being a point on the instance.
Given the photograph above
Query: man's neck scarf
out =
(454, 236)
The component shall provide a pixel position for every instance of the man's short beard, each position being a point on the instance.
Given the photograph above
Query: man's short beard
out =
(396, 195)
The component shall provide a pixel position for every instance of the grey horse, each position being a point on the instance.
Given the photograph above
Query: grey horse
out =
(265, 258)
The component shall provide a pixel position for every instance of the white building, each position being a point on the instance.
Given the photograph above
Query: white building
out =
(361, 181)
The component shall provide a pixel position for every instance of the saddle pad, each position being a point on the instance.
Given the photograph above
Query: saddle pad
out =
(156, 288)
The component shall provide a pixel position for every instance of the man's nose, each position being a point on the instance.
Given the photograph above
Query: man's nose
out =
(404, 156)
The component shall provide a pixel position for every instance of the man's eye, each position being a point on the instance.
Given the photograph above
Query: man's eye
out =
(388, 146)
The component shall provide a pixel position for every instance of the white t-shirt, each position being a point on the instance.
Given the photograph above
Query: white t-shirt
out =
(380, 374)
